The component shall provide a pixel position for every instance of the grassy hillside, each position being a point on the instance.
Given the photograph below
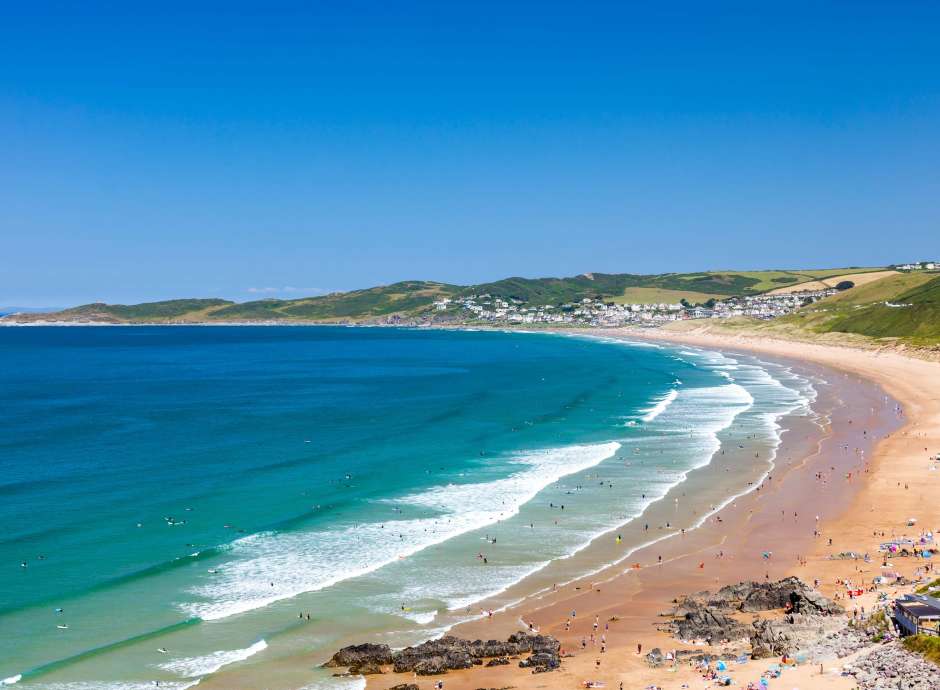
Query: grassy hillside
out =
(649, 295)
(708, 284)
(401, 298)
(169, 310)
(913, 315)
(414, 299)
(865, 311)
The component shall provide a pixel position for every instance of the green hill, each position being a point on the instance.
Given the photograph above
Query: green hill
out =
(539, 291)
(408, 297)
(913, 315)
(169, 310)
(903, 306)
(414, 299)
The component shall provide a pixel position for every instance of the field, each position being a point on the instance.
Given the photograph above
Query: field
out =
(648, 295)
(830, 282)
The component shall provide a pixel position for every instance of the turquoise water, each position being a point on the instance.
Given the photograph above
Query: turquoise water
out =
(192, 489)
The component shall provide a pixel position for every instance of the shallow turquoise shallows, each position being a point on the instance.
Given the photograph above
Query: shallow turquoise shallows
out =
(176, 499)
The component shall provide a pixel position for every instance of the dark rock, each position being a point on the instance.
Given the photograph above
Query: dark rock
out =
(360, 654)
(432, 666)
(450, 653)
(705, 623)
(404, 686)
(541, 661)
(498, 661)
(655, 657)
(366, 669)
(788, 593)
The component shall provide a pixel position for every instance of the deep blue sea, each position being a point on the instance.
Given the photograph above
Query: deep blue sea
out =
(173, 498)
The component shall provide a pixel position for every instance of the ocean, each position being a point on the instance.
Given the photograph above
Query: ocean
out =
(177, 501)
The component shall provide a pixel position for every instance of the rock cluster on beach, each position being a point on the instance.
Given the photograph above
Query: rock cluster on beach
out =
(710, 616)
(843, 642)
(450, 653)
(789, 634)
(763, 596)
(891, 666)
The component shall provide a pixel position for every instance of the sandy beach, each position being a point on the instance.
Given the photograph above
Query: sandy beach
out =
(869, 473)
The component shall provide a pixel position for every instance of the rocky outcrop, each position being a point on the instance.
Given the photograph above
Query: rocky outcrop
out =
(404, 686)
(434, 657)
(892, 666)
(789, 593)
(541, 661)
(361, 655)
(842, 643)
(703, 623)
(450, 653)
(710, 616)
(789, 634)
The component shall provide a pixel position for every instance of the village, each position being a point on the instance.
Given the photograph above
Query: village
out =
(597, 312)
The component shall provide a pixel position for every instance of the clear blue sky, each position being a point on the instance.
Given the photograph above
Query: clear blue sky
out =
(278, 149)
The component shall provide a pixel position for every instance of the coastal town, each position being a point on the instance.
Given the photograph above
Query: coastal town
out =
(601, 313)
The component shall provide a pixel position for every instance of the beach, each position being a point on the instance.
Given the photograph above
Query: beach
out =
(634, 472)
(874, 459)
(258, 515)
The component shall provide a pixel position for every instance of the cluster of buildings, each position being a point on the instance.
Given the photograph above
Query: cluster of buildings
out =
(919, 266)
(597, 312)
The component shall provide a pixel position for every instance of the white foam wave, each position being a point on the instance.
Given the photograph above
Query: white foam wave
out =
(660, 406)
(422, 617)
(194, 666)
(269, 567)
(12, 680)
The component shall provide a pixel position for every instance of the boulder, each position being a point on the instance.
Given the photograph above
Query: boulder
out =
(541, 661)
(361, 654)
(655, 657)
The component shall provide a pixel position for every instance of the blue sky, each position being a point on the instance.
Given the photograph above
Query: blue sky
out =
(278, 149)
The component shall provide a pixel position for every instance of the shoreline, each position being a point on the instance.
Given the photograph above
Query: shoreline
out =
(901, 378)
(638, 591)
(593, 558)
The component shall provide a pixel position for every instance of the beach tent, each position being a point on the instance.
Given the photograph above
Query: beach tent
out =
(720, 666)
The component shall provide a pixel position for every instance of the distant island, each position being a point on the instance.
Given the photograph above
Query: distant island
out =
(900, 302)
